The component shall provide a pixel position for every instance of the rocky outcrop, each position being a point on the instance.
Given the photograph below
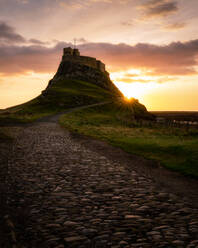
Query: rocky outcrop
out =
(74, 70)
(64, 89)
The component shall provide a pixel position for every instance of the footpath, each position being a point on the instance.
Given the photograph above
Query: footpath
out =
(63, 194)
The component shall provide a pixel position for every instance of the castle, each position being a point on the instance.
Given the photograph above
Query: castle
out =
(73, 55)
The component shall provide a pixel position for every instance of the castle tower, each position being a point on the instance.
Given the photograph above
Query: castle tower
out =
(76, 52)
(68, 51)
(73, 56)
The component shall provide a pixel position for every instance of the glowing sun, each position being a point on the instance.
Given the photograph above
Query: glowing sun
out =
(133, 83)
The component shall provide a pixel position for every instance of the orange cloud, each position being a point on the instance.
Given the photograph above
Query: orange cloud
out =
(131, 80)
(176, 58)
(173, 59)
(175, 26)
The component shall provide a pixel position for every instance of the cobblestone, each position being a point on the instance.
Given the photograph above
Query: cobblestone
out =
(69, 196)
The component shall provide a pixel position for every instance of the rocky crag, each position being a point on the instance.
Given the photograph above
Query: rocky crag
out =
(79, 81)
(83, 68)
(75, 69)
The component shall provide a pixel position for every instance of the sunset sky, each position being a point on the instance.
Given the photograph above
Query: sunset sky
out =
(150, 47)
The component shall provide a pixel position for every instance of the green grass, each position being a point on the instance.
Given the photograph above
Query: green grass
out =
(76, 87)
(26, 113)
(65, 94)
(175, 148)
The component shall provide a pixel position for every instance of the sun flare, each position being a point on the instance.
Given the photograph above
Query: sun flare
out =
(133, 83)
(135, 90)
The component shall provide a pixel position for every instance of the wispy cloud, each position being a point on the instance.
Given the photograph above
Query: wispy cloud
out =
(132, 80)
(101, 1)
(23, 1)
(9, 35)
(81, 40)
(37, 42)
(158, 8)
(72, 4)
(78, 4)
(140, 79)
(175, 26)
(127, 23)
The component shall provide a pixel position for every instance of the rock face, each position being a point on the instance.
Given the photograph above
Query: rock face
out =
(76, 67)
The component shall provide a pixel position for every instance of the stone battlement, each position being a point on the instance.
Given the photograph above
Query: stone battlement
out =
(73, 55)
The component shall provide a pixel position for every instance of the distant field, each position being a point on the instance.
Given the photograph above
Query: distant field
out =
(175, 148)
(177, 115)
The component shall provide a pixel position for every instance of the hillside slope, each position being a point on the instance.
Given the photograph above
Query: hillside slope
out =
(65, 94)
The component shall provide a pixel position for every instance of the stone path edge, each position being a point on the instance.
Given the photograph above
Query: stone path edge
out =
(181, 185)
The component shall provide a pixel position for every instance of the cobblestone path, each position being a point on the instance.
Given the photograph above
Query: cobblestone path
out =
(66, 195)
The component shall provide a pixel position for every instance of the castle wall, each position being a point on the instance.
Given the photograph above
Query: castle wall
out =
(101, 66)
(89, 61)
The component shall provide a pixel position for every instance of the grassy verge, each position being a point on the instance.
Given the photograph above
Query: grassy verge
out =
(175, 148)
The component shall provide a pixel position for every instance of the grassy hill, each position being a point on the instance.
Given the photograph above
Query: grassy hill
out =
(63, 95)
(74, 84)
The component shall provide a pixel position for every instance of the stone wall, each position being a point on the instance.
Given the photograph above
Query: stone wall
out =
(89, 61)
(101, 66)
